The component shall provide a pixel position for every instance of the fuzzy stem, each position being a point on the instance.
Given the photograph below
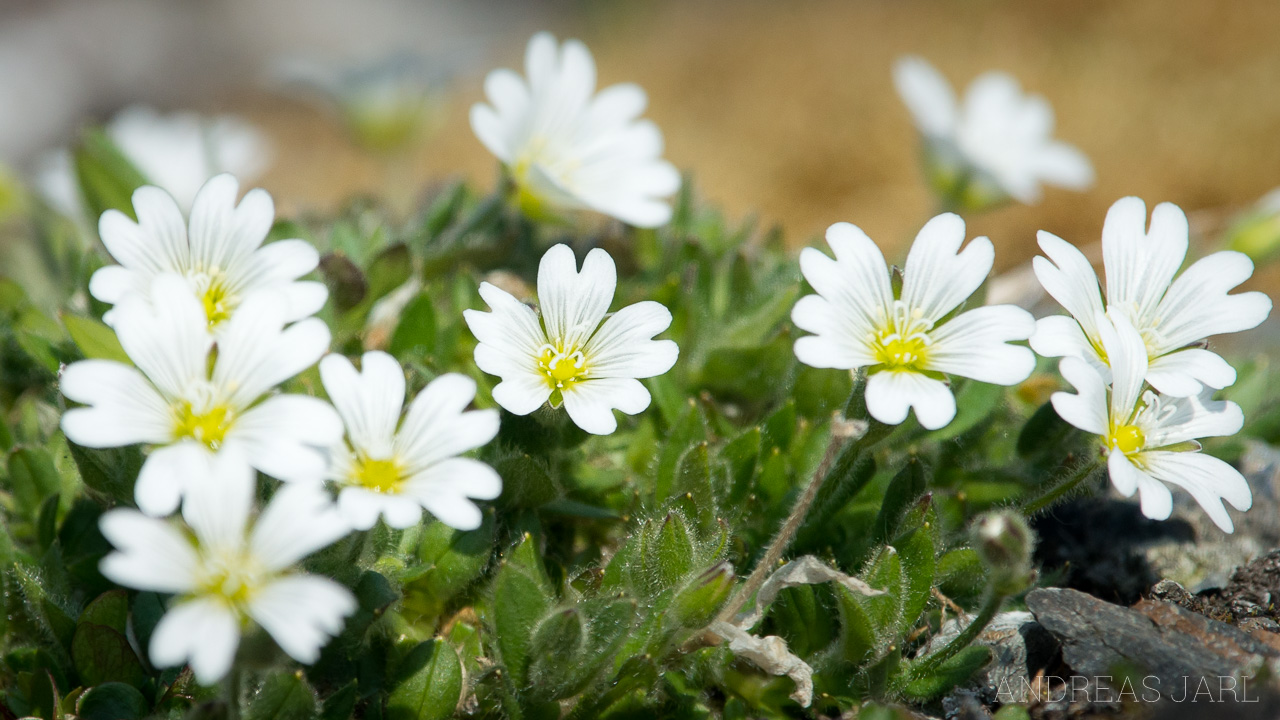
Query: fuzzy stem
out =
(990, 606)
(796, 518)
(234, 679)
(1060, 488)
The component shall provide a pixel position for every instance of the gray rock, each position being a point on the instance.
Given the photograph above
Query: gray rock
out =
(1019, 647)
(1161, 640)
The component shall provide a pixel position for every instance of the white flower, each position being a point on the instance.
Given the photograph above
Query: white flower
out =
(392, 468)
(907, 343)
(1003, 134)
(179, 152)
(1171, 315)
(578, 354)
(227, 568)
(568, 150)
(176, 400)
(221, 256)
(1150, 440)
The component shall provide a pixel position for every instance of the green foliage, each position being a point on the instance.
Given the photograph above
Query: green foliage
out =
(593, 585)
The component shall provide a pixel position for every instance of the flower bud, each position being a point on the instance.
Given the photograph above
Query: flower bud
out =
(702, 597)
(1004, 543)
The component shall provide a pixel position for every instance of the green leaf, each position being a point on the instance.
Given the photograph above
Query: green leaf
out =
(669, 556)
(47, 522)
(431, 684)
(960, 574)
(342, 703)
(688, 431)
(95, 340)
(519, 602)
(388, 271)
(1044, 432)
(951, 673)
(526, 482)
(415, 334)
(975, 401)
(557, 655)
(917, 552)
(905, 488)
(100, 649)
(692, 491)
(884, 572)
(857, 640)
(110, 471)
(33, 478)
(452, 560)
(107, 178)
(695, 604)
(283, 696)
(112, 701)
(346, 283)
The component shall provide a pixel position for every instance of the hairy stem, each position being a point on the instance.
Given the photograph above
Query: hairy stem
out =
(796, 518)
(990, 606)
(1061, 487)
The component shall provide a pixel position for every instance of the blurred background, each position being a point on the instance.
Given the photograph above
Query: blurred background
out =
(781, 111)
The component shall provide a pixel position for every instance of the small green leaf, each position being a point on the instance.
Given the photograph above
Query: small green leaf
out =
(95, 340)
(342, 703)
(884, 572)
(688, 431)
(905, 488)
(415, 334)
(519, 602)
(430, 685)
(346, 283)
(695, 604)
(670, 556)
(283, 696)
(692, 491)
(110, 471)
(100, 648)
(917, 554)
(388, 271)
(112, 701)
(33, 478)
(526, 481)
(857, 638)
(557, 655)
(107, 178)
(1044, 432)
(953, 672)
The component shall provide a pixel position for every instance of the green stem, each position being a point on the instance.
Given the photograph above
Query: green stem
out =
(840, 454)
(1060, 488)
(234, 679)
(990, 606)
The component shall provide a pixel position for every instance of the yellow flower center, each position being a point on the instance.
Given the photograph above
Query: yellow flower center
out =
(1128, 439)
(209, 427)
(902, 343)
(562, 368)
(382, 476)
(231, 576)
(217, 298)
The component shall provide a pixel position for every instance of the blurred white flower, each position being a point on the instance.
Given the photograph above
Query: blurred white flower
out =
(1150, 439)
(908, 344)
(179, 152)
(569, 150)
(999, 136)
(394, 469)
(1172, 315)
(221, 256)
(190, 408)
(227, 568)
(579, 354)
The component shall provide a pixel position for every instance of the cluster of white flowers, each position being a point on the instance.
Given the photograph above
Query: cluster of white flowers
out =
(215, 321)
(1150, 329)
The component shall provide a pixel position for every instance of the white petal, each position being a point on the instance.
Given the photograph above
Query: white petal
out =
(974, 345)
(1178, 420)
(939, 276)
(166, 474)
(590, 403)
(436, 426)
(1198, 306)
(361, 507)
(491, 131)
(156, 243)
(512, 327)
(1141, 264)
(203, 632)
(855, 285)
(1124, 476)
(1208, 479)
(624, 345)
(300, 519)
(1154, 496)
(167, 337)
(150, 554)
(573, 303)
(369, 402)
(1070, 279)
(124, 409)
(1186, 372)
(283, 435)
(458, 476)
(1063, 165)
(1087, 409)
(113, 283)
(218, 500)
(523, 393)
(223, 234)
(302, 613)
(1061, 336)
(1127, 357)
(256, 352)
(927, 95)
(891, 393)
